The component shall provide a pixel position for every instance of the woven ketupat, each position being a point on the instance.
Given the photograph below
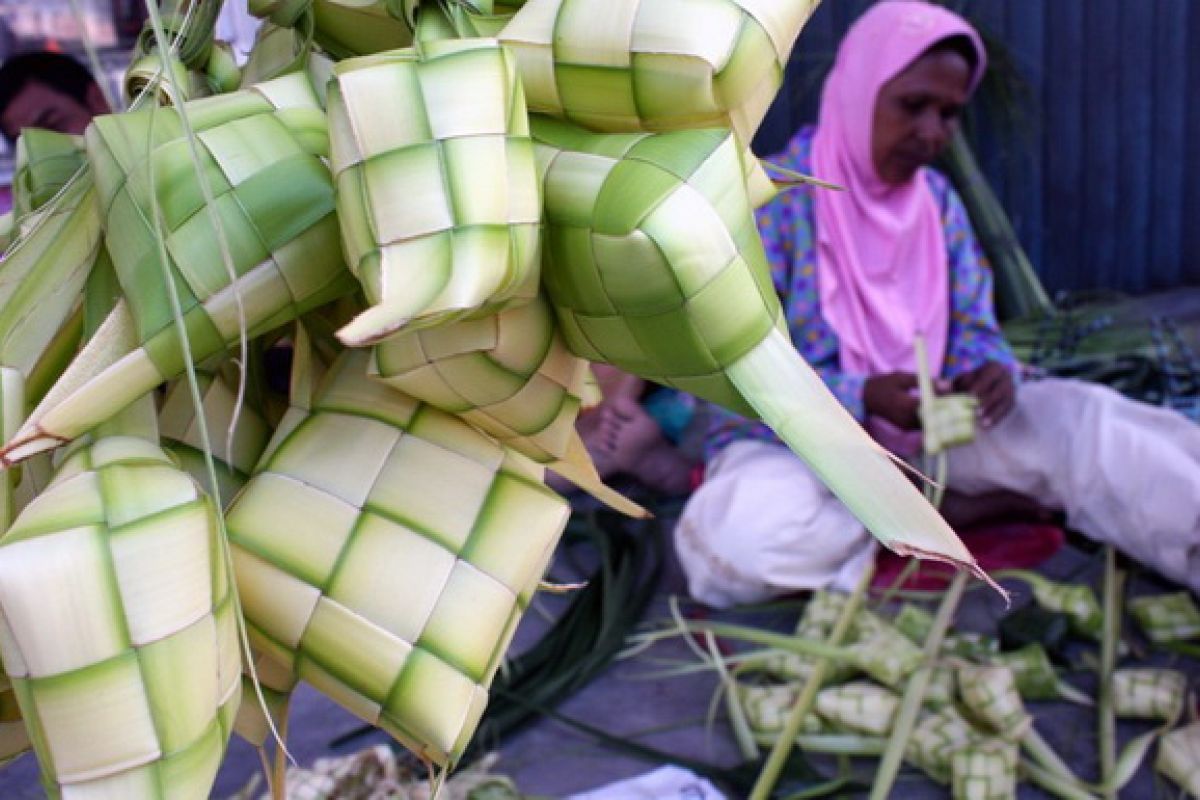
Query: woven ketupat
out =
(1076, 601)
(1167, 617)
(820, 615)
(985, 771)
(882, 651)
(656, 65)
(654, 264)
(1179, 757)
(275, 205)
(437, 192)
(766, 707)
(859, 706)
(1149, 693)
(990, 694)
(936, 738)
(1034, 674)
(653, 261)
(509, 374)
(948, 421)
(118, 626)
(631, 65)
(395, 584)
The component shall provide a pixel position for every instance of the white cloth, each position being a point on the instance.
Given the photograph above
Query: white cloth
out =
(1124, 472)
(668, 782)
(237, 26)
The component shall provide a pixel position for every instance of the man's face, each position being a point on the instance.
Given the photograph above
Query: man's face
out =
(916, 113)
(40, 106)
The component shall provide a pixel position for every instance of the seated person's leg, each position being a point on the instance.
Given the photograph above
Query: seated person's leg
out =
(1123, 472)
(622, 438)
(762, 525)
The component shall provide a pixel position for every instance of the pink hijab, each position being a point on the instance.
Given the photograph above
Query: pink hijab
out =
(882, 268)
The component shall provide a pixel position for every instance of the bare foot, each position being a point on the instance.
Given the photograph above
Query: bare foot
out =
(628, 432)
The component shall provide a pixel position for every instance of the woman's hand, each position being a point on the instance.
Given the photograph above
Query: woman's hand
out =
(992, 384)
(894, 397)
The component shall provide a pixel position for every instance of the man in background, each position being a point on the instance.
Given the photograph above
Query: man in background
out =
(47, 90)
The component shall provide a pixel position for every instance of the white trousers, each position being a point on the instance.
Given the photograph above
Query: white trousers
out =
(1124, 472)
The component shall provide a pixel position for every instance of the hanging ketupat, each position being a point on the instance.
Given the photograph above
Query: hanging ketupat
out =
(118, 627)
(437, 193)
(384, 552)
(439, 207)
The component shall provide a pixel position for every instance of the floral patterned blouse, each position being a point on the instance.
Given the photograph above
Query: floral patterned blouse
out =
(787, 228)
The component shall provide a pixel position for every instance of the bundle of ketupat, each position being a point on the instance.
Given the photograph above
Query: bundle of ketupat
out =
(217, 219)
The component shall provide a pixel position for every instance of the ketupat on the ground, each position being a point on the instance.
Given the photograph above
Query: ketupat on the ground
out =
(192, 234)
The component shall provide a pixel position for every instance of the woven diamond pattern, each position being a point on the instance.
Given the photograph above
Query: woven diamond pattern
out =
(631, 65)
(1168, 617)
(46, 160)
(990, 694)
(275, 205)
(656, 265)
(1149, 693)
(985, 771)
(859, 706)
(402, 602)
(510, 374)
(129, 545)
(935, 738)
(438, 198)
(948, 421)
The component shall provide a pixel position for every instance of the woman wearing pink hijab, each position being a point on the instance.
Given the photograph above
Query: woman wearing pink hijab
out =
(861, 274)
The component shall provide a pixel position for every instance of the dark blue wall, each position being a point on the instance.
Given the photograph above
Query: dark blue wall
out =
(1099, 165)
